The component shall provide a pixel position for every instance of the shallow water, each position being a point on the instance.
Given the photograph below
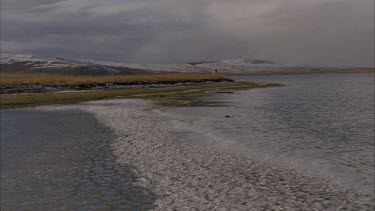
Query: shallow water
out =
(77, 157)
(56, 160)
(320, 125)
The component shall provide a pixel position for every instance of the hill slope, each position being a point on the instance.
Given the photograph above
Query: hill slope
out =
(15, 63)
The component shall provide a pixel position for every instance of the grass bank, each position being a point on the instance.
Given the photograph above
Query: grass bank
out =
(168, 96)
(12, 80)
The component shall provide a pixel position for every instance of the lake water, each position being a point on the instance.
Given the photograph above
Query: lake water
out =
(62, 160)
(62, 157)
(320, 125)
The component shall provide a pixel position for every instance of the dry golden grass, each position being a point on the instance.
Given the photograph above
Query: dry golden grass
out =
(9, 80)
(171, 96)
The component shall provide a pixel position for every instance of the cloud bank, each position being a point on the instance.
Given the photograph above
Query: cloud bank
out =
(316, 32)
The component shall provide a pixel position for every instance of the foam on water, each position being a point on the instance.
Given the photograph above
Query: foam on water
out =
(321, 125)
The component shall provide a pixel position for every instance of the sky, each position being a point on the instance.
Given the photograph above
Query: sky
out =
(313, 32)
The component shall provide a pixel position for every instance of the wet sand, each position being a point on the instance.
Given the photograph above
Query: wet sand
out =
(138, 146)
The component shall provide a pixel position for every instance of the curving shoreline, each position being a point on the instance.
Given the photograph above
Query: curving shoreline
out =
(181, 176)
(187, 177)
(157, 93)
(61, 159)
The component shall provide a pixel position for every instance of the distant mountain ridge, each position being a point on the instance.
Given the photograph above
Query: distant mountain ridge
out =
(17, 63)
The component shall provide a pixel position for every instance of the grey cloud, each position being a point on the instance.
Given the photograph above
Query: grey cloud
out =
(317, 32)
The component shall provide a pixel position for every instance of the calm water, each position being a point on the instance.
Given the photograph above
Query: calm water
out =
(62, 160)
(320, 125)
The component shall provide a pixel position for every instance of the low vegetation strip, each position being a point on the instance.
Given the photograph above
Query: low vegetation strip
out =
(177, 95)
(11, 80)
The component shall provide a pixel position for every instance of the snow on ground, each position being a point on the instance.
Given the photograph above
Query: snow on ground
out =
(228, 66)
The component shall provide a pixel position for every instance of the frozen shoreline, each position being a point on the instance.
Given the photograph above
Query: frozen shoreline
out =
(184, 177)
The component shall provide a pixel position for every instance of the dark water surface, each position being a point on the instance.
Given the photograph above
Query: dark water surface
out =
(62, 160)
(321, 125)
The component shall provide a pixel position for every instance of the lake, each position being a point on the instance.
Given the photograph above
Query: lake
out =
(321, 125)
(129, 154)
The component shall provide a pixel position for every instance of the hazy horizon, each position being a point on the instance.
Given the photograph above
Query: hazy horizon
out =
(314, 32)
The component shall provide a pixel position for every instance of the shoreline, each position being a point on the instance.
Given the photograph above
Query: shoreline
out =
(301, 72)
(24, 89)
(183, 176)
(156, 93)
(53, 84)
(60, 159)
(24, 83)
(186, 176)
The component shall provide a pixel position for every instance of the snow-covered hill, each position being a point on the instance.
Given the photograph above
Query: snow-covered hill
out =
(36, 64)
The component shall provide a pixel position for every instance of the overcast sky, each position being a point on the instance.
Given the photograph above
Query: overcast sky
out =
(316, 32)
